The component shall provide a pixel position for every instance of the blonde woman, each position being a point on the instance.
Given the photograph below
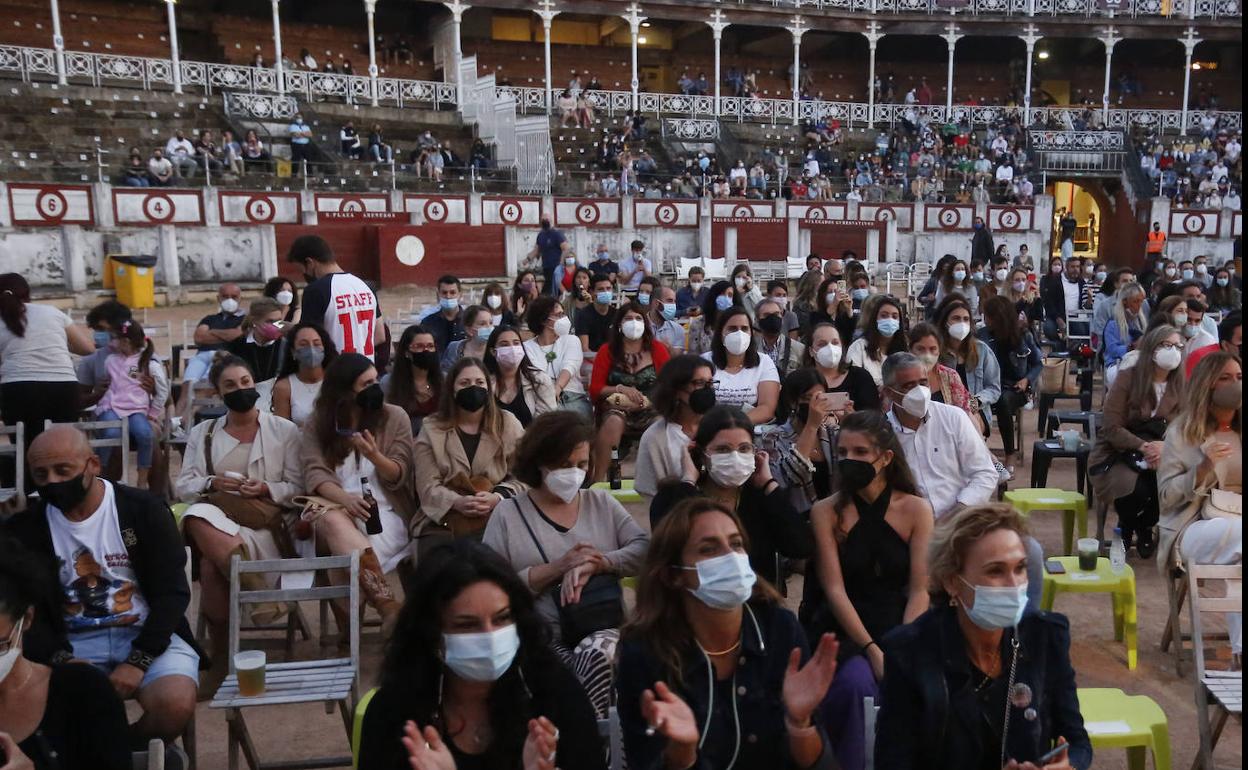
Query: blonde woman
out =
(1124, 329)
(1021, 290)
(1199, 480)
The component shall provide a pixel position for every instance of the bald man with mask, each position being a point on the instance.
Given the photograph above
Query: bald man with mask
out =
(120, 563)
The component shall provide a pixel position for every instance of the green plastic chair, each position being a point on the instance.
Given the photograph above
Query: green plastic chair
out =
(1106, 712)
(1102, 580)
(357, 726)
(178, 509)
(1073, 505)
(625, 495)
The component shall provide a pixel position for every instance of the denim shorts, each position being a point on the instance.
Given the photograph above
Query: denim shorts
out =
(107, 648)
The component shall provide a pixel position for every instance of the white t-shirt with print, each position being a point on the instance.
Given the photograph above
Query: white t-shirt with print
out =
(42, 354)
(741, 389)
(100, 585)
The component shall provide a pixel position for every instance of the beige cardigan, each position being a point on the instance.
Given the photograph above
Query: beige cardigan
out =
(274, 459)
(394, 438)
(440, 456)
(1179, 498)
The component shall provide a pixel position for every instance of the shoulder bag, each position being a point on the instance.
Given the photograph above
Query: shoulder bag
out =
(250, 512)
(602, 600)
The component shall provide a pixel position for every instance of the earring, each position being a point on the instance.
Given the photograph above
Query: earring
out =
(953, 601)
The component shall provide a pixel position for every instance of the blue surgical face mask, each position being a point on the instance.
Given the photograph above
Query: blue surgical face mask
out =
(484, 332)
(448, 303)
(997, 607)
(604, 297)
(482, 657)
(723, 302)
(100, 339)
(724, 582)
(860, 294)
(669, 311)
(888, 326)
(643, 298)
(1221, 282)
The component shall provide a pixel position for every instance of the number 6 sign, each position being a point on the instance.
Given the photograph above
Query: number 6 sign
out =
(36, 205)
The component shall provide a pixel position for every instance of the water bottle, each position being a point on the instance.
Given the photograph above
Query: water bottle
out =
(1117, 553)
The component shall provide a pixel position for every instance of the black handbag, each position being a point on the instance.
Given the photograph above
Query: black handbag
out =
(601, 605)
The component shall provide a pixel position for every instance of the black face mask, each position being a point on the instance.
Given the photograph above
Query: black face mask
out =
(241, 400)
(855, 474)
(702, 400)
(771, 325)
(425, 359)
(67, 494)
(371, 398)
(471, 398)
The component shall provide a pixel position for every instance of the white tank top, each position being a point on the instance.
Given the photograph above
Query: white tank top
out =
(302, 398)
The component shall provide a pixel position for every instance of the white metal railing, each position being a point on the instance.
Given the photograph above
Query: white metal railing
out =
(260, 106)
(1135, 9)
(1111, 141)
(691, 129)
(151, 74)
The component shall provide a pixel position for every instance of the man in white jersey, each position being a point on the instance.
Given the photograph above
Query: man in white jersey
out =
(337, 300)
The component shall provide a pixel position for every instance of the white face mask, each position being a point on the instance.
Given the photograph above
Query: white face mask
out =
(494, 301)
(1167, 359)
(1002, 274)
(916, 402)
(724, 582)
(563, 326)
(959, 331)
(1020, 286)
(737, 342)
(830, 299)
(1191, 330)
(509, 356)
(695, 286)
(482, 657)
(731, 469)
(741, 281)
(828, 356)
(9, 659)
(229, 305)
(633, 329)
(285, 297)
(1180, 320)
(564, 483)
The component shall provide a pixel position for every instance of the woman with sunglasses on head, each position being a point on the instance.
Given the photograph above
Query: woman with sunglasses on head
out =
(880, 325)
(415, 380)
(684, 391)
(723, 464)
(469, 681)
(713, 671)
(64, 715)
(357, 454)
(743, 377)
(980, 681)
(555, 347)
(519, 387)
(870, 570)
(625, 371)
(464, 453)
(309, 351)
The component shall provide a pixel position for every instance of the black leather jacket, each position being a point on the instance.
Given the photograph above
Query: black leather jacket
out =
(931, 715)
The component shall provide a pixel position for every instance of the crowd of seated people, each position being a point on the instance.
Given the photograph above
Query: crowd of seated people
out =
(181, 159)
(462, 458)
(1201, 171)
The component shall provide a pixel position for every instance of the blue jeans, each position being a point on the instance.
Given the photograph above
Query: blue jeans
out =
(140, 433)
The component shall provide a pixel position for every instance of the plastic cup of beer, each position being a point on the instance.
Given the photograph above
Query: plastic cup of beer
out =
(249, 666)
(1088, 548)
(1070, 440)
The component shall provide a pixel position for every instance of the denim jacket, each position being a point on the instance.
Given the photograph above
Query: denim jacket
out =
(744, 715)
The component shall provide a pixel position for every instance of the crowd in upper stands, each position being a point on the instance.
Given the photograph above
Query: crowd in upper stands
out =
(828, 428)
(1201, 171)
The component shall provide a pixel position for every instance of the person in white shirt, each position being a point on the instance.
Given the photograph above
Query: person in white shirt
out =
(181, 153)
(1005, 176)
(744, 377)
(736, 177)
(634, 267)
(1231, 201)
(950, 461)
(556, 350)
(160, 169)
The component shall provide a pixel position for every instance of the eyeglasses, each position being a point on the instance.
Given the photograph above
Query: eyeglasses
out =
(724, 449)
(1170, 346)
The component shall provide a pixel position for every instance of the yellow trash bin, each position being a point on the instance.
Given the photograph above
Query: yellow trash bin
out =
(283, 168)
(106, 275)
(135, 279)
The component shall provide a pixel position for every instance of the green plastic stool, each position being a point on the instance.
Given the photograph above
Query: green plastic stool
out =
(178, 509)
(625, 495)
(1102, 580)
(1073, 505)
(1105, 713)
(357, 726)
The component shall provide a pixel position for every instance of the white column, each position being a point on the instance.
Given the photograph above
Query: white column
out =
(1030, 38)
(370, 11)
(1189, 41)
(873, 34)
(1110, 39)
(951, 36)
(173, 47)
(718, 23)
(797, 28)
(278, 69)
(547, 12)
(634, 19)
(58, 43)
(457, 53)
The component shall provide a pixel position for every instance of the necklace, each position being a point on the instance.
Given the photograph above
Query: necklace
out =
(720, 653)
